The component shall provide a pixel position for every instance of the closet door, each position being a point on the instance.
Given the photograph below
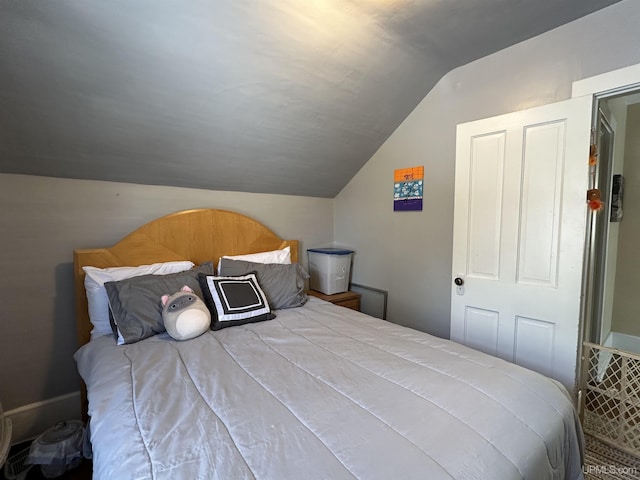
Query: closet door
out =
(519, 233)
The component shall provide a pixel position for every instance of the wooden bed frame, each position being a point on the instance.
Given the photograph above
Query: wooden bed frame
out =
(201, 235)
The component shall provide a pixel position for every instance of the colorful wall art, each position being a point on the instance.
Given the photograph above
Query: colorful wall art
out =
(407, 189)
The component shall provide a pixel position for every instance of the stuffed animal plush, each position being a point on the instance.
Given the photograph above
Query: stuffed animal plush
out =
(185, 315)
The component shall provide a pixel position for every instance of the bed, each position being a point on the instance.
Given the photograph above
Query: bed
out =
(319, 391)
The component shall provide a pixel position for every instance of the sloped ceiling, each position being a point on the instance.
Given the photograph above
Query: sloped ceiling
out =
(272, 96)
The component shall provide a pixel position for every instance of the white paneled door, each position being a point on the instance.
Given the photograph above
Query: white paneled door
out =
(519, 234)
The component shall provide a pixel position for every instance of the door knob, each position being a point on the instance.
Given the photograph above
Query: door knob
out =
(458, 281)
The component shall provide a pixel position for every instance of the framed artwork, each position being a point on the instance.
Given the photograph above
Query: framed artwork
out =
(407, 189)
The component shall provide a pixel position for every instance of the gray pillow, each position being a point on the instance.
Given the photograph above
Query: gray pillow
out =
(282, 284)
(135, 303)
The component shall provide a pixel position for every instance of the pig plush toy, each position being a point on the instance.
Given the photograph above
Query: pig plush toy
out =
(185, 315)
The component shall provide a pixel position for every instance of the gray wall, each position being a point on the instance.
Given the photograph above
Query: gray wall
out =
(625, 300)
(44, 219)
(409, 253)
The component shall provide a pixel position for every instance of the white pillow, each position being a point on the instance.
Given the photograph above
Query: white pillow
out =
(97, 299)
(273, 256)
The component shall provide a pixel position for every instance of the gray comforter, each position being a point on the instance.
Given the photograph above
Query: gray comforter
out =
(322, 392)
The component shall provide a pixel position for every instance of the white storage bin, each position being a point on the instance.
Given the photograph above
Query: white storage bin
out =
(329, 269)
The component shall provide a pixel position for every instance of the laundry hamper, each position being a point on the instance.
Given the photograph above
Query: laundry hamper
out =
(15, 466)
(5, 436)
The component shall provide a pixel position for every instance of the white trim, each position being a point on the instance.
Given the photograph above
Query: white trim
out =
(31, 420)
(626, 342)
(621, 78)
(618, 341)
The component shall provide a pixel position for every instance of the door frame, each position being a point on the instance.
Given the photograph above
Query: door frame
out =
(601, 86)
(610, 83)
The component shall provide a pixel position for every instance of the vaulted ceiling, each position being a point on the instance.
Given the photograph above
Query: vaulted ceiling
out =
(273, 96)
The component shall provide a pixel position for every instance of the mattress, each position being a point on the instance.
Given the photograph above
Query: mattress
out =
(322, 391)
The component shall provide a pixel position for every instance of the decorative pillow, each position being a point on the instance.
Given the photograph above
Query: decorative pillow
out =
(135, 307)
(234, 300)
(273, 256)
(283, 284)
(97, 299)
(184, 315)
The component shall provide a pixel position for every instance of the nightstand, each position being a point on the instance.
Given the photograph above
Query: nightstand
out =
(345, 299)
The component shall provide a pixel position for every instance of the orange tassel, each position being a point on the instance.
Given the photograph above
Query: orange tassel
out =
(595, 204)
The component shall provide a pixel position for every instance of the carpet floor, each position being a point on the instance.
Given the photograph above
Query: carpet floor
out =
(603, 462)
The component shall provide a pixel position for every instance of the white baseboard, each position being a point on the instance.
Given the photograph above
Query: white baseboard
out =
(29, 421)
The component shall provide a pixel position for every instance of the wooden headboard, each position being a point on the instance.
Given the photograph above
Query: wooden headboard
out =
(201, 235)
